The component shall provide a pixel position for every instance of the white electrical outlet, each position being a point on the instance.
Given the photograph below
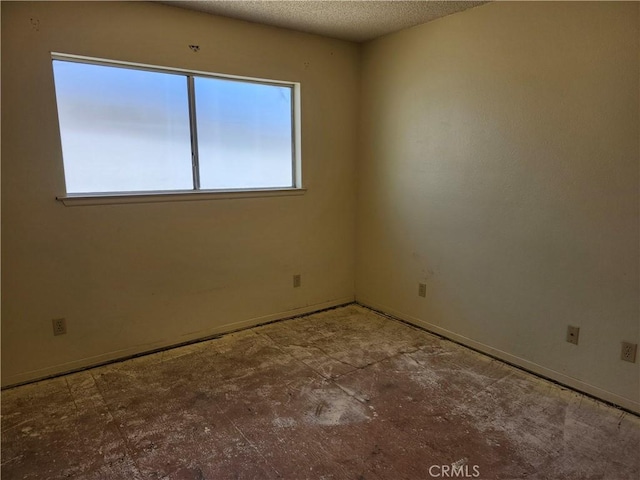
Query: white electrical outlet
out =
(59, 326)
(628, 353)
(572, 334)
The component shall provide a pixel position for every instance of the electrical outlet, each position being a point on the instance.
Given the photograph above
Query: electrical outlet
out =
(628, 353)
(572, 334)
(422, 289)
(297, 280)
(59, 326)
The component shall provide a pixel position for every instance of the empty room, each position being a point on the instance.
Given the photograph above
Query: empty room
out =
(320, 240)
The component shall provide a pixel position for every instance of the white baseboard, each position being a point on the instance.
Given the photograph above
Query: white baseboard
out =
(507, 357)
(90, 362)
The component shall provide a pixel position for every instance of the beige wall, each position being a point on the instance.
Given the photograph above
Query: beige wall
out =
(499, 165)
(133, 277)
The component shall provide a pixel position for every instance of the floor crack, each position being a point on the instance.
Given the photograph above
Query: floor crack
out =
(73, 398)
(125, 441)
(253, 446)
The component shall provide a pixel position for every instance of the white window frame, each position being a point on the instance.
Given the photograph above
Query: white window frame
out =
(105, 198)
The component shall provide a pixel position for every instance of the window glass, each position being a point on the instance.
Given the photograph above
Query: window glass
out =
(244, 134)
(147, 129)
(123, 129)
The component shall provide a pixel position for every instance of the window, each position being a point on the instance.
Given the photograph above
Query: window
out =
(130, 129)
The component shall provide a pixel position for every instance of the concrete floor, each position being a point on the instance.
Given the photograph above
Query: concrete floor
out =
(342, 394)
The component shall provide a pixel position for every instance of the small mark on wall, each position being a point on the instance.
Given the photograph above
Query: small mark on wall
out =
(194, 48)
(35, 24)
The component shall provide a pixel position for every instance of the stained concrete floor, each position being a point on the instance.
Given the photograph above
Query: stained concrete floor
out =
(342, 394)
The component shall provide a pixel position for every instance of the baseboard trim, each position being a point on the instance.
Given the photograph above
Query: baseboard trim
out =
(154, 347)
(531, 367)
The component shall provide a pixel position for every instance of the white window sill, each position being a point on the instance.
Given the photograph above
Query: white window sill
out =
(73, 200)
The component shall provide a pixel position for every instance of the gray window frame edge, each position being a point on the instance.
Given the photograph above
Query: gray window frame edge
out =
(158, 196)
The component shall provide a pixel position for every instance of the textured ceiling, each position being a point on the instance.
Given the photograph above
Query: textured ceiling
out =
(358, 20)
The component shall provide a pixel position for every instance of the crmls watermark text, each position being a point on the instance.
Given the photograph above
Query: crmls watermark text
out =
(454, 471)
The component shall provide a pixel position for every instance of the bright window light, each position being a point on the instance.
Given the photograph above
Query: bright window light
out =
(244, 133)
(128, 129)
